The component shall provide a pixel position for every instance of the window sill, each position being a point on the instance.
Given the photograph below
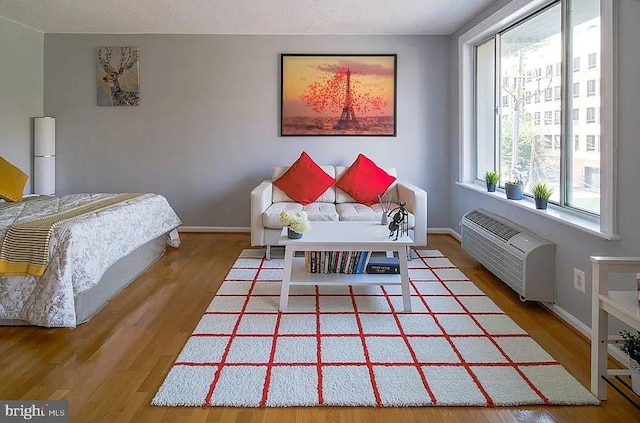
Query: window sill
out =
(575, 220)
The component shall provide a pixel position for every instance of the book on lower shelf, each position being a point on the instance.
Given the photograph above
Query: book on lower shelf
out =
(336, 261)
(384, 265)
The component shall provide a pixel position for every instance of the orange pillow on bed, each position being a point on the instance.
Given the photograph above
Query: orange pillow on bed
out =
(304, 181)
(12, 181)
(365, 181)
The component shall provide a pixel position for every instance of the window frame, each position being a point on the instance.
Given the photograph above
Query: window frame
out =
(603, 225)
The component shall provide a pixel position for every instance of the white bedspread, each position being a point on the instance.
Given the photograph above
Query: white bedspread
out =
(80, 252)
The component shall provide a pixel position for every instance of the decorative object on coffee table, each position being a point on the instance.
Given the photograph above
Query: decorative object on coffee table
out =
(541, 193)
(491, 178)
(296, 223)
(514, 189)
(399, 223)
(385, 205)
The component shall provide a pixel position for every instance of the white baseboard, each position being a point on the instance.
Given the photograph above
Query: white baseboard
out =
(585, 330)
(447, 231)
(213, 229)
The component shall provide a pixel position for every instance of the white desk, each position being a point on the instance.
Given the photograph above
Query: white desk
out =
(621, 304)
(343, 236)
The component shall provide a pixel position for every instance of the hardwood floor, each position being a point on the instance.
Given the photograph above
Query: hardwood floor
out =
(110, 368)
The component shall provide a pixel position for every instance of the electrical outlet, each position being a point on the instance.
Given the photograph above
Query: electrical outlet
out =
(578, 279)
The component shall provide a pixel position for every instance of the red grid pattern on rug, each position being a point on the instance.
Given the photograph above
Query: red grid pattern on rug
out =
(453, 326)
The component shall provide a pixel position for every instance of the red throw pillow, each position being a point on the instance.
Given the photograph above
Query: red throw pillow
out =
(365, 181)
(304, 181)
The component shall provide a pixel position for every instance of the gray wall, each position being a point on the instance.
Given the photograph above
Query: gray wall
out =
(21, 92)
(206, 130)
(573, 247)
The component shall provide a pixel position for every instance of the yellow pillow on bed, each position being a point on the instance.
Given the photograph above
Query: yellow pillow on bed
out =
(12, 181)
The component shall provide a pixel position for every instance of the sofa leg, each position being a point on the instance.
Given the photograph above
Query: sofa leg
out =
(268, 254)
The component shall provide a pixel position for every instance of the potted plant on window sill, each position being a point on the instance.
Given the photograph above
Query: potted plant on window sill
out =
(541, 193)
(631, 346)
(491, 177)
(514, 189)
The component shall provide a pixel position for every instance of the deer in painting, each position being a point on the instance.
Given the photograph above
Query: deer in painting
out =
(128, 58)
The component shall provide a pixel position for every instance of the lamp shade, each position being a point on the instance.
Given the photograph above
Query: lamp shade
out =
(44, 175)
(44, 160)
(44, 136)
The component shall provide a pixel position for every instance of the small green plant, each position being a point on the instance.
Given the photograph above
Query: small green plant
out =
(542, 191)
(631, 344)
(516, 182)
(491, 177)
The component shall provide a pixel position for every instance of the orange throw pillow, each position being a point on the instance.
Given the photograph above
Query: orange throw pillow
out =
(365, 181)
(304, 181)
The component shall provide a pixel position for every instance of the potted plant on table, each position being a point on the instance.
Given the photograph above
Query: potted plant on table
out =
(541, 193)
(514, 189)
(491, 177)
(295, 222)
(631, 346)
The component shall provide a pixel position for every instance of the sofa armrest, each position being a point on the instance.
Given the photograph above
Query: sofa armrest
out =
(416, 202)
(261, 199)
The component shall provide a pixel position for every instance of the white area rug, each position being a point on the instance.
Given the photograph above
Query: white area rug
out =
(350, 346)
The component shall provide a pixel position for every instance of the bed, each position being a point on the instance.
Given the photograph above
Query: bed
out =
(91, 258)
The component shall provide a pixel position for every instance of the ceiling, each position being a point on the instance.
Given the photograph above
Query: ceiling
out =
(348, 17)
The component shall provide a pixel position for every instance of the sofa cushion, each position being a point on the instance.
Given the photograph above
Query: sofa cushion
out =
(343, 197)
(315, 211)
(356, 212)
(365, 181)
(305, 177)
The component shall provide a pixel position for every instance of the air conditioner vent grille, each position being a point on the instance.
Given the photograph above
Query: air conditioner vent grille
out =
(497, 228)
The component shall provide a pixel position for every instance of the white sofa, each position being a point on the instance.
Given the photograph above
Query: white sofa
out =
(267, 201)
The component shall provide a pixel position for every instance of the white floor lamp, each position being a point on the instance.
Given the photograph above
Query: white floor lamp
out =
(44, 152)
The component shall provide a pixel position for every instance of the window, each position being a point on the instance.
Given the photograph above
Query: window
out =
(548, 116)
(549, 70)
(505, 101)
(548, 94)
(576, 64)
(591, 88)
(541, 149)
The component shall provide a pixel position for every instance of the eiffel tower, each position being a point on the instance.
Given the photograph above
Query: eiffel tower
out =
(348, 117)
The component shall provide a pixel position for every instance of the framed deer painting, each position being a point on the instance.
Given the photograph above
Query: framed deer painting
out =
(118, 77)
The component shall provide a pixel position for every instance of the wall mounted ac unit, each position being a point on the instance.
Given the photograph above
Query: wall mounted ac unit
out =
(521, 259)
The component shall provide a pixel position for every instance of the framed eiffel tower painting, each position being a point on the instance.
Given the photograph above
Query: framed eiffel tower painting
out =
(338, 95)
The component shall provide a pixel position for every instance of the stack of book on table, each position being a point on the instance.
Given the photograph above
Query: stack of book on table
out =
(336, 261)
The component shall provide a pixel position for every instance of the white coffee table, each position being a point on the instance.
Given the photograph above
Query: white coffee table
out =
(343, 236)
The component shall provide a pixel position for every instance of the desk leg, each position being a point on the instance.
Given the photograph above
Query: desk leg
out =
(286, 277)
(404, 277)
